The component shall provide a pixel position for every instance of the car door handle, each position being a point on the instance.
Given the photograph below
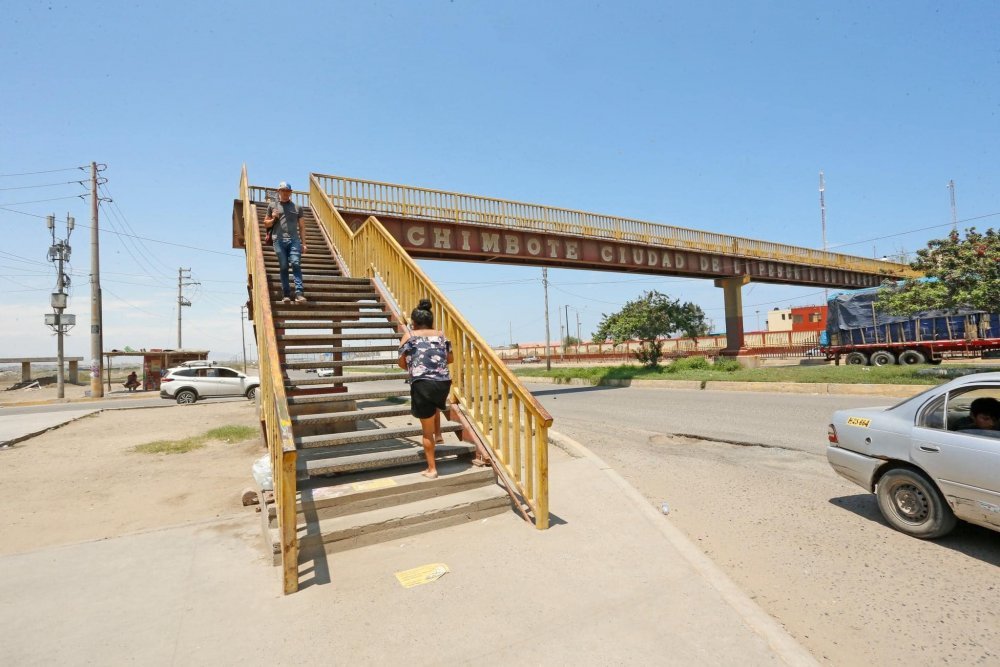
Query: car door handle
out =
(929, 448)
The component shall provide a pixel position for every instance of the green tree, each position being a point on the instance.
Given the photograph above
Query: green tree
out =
(963, 272)
(570, 341)
(649, 318)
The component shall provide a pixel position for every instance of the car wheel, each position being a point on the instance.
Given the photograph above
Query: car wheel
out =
(856, 359)
(912, 504)
(186, 397)
(912, 358)
(251, 392)
(883, 358)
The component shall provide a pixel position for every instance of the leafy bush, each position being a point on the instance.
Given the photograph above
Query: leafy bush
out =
(691, 364)
(727, 365)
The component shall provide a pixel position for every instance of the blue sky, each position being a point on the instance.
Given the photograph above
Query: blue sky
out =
(715, 116)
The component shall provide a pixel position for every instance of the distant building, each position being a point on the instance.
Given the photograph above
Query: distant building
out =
(797, 318)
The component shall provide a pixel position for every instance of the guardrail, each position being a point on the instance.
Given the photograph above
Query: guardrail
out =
(275, 420)
(374, 197)
(262, 194)
(512, 424)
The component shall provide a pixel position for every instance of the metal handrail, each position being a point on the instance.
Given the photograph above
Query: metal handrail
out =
(512, 423)
(274, 417)
(375, 197)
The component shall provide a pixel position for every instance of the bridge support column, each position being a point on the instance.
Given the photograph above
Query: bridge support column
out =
(732, 290)
(25, 370)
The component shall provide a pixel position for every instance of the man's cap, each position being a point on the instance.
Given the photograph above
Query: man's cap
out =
(284, 186)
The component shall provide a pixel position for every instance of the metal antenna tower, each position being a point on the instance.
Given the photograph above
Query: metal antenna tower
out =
(60, 322)
(954, 211)
(822, 222)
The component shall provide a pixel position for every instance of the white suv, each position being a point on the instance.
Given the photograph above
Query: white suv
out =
(187, 385)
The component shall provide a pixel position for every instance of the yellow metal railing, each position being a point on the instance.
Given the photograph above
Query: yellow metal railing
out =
(261, 194)
(373, 198)
(273, 403)
(512, 424)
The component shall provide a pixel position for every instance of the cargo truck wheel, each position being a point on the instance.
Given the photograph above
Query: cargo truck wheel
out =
(856, 359)
(912, 358)
(883, 358)
(912, 504)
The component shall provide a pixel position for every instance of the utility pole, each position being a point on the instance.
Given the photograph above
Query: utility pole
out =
(181, 301)
(578, 339)
(565, 339)
(96, 309)
(59, 253)
(243, 335)
(954, 211)
(548, 349)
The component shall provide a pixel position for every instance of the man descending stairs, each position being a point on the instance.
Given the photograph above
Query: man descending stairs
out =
(359, 451)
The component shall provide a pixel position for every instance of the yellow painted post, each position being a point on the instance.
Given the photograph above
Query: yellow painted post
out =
(542, 471)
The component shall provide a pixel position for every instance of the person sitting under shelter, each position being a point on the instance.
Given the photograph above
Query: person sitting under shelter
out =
(132, 382)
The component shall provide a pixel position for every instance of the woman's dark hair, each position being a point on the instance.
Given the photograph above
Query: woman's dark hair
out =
(422, 315)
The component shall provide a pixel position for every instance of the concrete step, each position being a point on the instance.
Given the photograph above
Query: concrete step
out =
(312, 339)
(305, 323)
(373, 435)
(291, 348)
(352, 531)
(321, 498)
(353, 377)
(311, 310)
(368, 456)
(322, 301)
(352, 415)
(350, 396)
(299, 365)
(314, 290)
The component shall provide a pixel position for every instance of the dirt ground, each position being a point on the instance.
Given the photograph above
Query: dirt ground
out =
(49, 392)
(82, 481)
(812, 550)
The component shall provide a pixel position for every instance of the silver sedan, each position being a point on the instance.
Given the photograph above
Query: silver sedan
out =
(930, 460)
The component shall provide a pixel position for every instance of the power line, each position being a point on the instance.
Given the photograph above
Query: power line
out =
(43, 185)
(48, 171)
(117, 211)
(38, 201)
(914, 231)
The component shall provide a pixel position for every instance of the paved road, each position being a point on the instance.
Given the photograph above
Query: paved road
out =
(808, 546)
(791, 421)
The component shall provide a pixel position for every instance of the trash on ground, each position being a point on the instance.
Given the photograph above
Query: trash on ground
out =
(665, 508)
(262, 472)
(424, 574)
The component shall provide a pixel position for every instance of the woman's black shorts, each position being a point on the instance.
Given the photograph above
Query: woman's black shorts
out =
(428, 396)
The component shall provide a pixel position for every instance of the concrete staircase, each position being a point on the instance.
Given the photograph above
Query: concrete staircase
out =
(359, 449)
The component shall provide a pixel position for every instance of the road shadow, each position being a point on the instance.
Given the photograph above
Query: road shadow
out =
(973, 541)
(572, 390)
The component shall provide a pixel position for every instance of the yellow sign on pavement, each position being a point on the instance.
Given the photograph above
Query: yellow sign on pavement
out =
(424, 574)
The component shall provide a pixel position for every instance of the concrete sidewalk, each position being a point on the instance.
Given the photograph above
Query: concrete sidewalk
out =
(15, 428)
(612, 582)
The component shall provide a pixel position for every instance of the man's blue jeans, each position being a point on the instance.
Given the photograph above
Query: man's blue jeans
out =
(289, 253)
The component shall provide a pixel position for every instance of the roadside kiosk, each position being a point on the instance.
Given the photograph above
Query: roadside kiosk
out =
(155, 362)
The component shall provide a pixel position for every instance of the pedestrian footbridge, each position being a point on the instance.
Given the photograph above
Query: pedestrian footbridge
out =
(345, 453)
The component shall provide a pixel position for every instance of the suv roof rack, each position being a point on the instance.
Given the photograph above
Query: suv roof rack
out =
(197, 363)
